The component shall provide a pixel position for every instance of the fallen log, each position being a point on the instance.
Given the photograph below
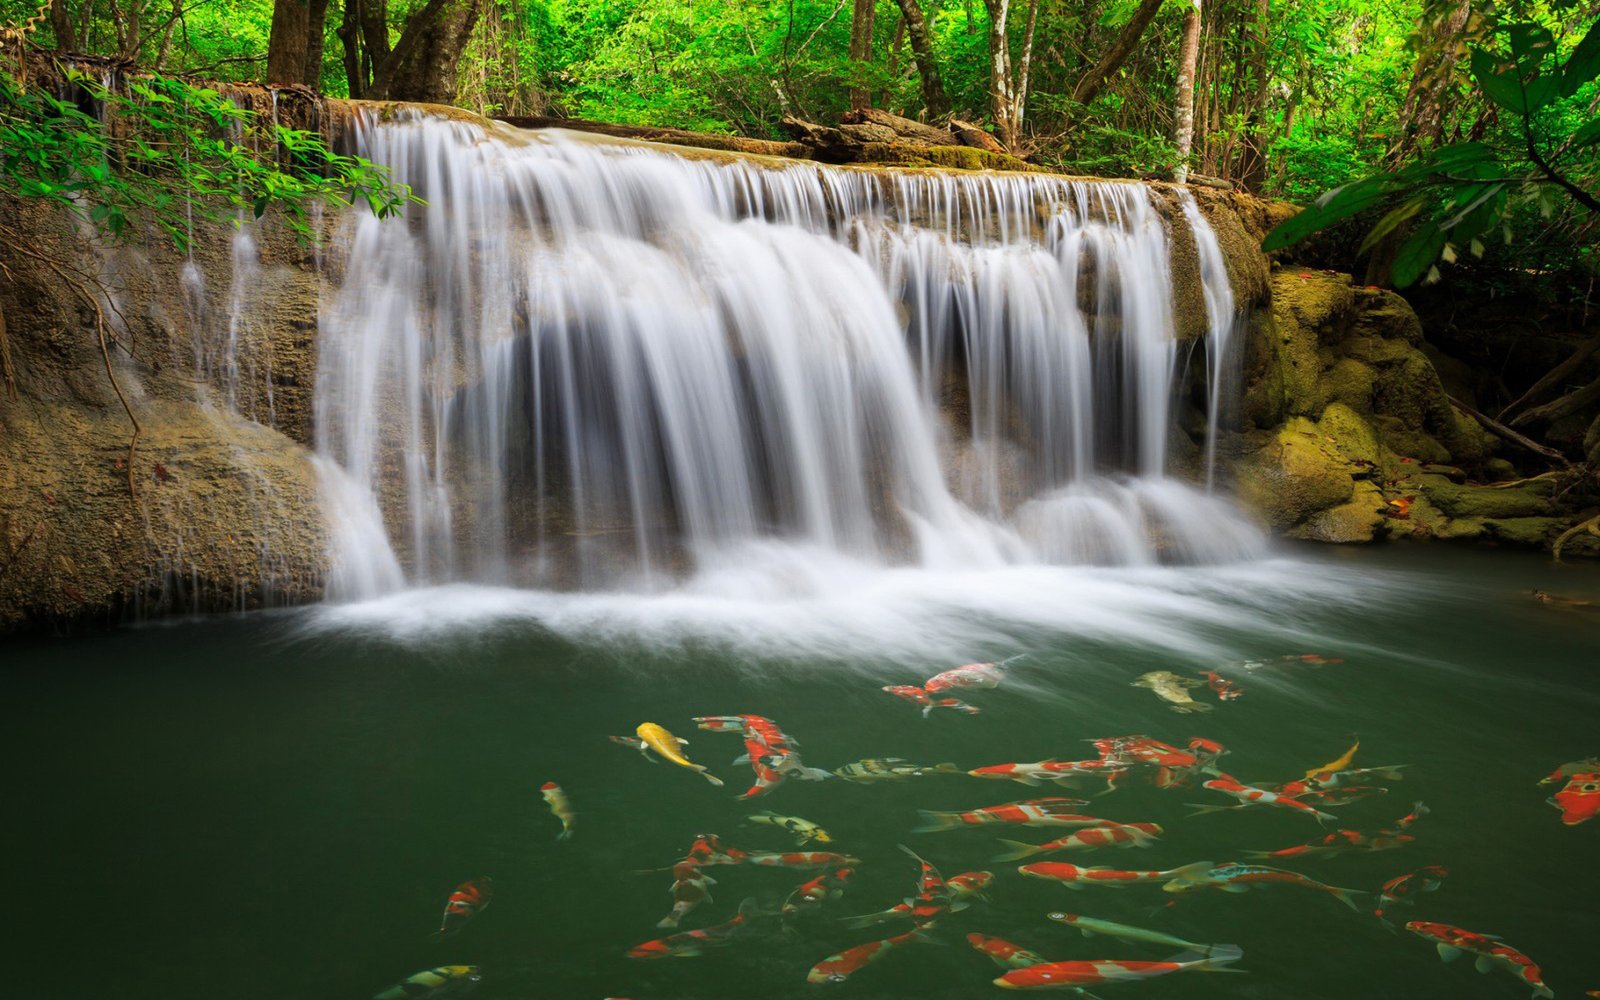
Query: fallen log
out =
(675, 136)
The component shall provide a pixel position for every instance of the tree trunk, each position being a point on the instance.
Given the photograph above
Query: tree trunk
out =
(861, 53)
(1187, 54)
(61, 25)
(933, 96)
(1000, 100)
(1252, 170)
(316, 25)
(1092, 82)
(424, 62)
(1441, 33)
(1019, 91)
(286, 42)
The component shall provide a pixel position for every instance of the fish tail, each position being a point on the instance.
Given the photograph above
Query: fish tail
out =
(564, 835)
(1323, 817)
(813, 774)
(1260, 855)
(867, 920)
(1202, 810)
(1349, 897)
(1390, 773)
(1018, 851)
(934, 822)
(927, 710)
(1213, 958)
(710, 777)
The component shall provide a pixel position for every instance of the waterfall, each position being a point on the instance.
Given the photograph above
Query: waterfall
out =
(1221, 317)
(600, 365)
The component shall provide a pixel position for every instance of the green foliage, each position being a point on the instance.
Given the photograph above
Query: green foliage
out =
(167, 151)
(1463, 191)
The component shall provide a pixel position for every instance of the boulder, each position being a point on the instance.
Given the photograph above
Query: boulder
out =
(1295, 474)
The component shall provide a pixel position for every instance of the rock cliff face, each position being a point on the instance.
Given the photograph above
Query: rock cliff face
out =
(1351, 435)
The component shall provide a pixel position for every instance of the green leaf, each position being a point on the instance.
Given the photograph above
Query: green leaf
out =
(1334, 206)
(1390, 222)
(1584, 63)
(1417, 254)
(1587, 135)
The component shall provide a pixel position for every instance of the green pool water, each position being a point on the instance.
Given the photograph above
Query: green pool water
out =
(277, 805)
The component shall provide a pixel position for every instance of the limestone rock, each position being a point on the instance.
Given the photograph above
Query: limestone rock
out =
(1359, 520)
(1295, 475)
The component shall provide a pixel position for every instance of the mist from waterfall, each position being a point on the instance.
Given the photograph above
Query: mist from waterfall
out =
(596, 365)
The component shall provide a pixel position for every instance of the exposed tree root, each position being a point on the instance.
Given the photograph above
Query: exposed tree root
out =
(1501, 430)
(1592, 526)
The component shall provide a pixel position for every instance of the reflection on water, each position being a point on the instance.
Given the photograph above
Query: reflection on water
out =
(280, 806)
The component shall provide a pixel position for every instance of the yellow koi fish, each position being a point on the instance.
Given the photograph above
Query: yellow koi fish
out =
(1337, 764)
(559, 805)
(665, 745)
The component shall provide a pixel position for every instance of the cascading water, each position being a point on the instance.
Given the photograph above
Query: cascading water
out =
(595, 364)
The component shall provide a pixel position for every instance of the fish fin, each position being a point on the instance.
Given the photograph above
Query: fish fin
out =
(1018, 851)
(1323, 817)
(813, 774)
(1235, 887)
(867, 920)
(1447, 953)
(1032, 782)
(934, 822)
(1484, 963)
(667, 922)
(959, 905)
(1259, 855)
(1202, 810)
(681, 741)
(927, 710)
(743, 758)
(710, 777)
(1391, 772)
(564, 835)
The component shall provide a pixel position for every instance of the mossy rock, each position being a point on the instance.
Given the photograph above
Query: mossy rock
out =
(1295, 475)
(1358, 521)
(1318, 300)
(1349, 382)
(1382, 313)
(1349, 432)
(1533, 532)
(955, 157)
(1405, 441)
(1526, 500)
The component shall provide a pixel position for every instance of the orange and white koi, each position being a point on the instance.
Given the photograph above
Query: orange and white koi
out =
(972, 675)
(1031, 812)
(1114, 835)
(1402, 888)
(1076, 975)
(1003, 952)
(1173, 767)
(1076, 877)
(1566, 771)
(1249, 795)
(933, 893)
(919, 696)
(1344, 841)
(690, 888)
(811, 895)
(768, 750)
(963, 889)
(687, 944)
(1579, 801)
(469, 899)
(557, 800)
(1356, 776)
(838, 968)
(1236, 877)
(1451, 942)
(1224, 689)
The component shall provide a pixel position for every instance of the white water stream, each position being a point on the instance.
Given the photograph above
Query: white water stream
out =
(603, 366)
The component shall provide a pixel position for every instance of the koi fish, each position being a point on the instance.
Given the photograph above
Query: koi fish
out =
(1357, 775)
(1076, 877)
(933, 893)
(1003, 952)
(1314, 659)
(759, 725)
(1333, 798)
(768, 750)
(1249, 795)
(687, 944)
(1339, 763)
(819, 890)
(652, 737)
(466, 902)
(1171, 688)
(963, 889)
(973, 675)
(803, 830)
(1344, 841)
(1571, 768)
(557, 800)
(920, 696)
(1404, 887)
(1113, 835)
(1089, 926)
(1059, 772)
(890, 769)
(708, 849)
(1224, 689)
(1579, 800)
(690, 888)
(799, 859)
(838, 968)
(436, 982)
(1078, 974)
(1235, 877)
(1452, 941)
(1032, 812)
